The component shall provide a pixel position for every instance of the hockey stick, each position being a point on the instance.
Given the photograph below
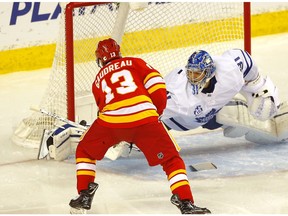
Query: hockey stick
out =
(54, 115)
(202, 166)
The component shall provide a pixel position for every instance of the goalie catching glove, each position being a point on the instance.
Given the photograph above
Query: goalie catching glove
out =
(60, 142)
(262, 98)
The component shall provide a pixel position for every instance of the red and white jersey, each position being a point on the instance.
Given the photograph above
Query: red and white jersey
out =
(128, 93)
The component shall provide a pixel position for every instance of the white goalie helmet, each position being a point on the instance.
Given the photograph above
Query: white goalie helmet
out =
(200, 69)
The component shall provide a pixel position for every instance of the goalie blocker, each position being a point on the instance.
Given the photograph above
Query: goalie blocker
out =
(60, 142)
(237, 121)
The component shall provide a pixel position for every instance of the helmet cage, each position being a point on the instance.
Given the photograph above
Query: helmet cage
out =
(200, 62)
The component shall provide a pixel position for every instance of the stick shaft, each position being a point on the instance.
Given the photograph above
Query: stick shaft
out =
(54, 115)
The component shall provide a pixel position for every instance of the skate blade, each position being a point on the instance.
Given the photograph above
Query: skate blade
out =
(78, 211)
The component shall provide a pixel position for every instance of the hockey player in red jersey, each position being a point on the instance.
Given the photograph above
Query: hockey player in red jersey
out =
(130, 95)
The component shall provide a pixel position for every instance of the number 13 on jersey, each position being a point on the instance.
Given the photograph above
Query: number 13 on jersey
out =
(126, 86)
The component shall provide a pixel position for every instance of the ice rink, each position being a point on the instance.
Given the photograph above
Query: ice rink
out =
(250, 179)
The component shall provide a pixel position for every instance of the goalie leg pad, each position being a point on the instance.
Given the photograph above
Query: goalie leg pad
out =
(116, 151)
(238, 122)
(122, 149)
(235, 119)
(281, 121)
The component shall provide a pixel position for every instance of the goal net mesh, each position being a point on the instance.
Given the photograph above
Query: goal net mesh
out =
(163, 34)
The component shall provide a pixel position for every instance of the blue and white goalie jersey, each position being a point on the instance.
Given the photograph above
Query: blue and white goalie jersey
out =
(185, 110)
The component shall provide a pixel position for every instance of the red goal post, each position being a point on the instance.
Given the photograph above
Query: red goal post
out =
(70, 54)
(163, 34)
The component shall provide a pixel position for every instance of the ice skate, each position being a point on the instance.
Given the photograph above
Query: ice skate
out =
(83, 201)
(187, 207)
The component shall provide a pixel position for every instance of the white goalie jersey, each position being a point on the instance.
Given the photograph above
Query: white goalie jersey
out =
(235, 73)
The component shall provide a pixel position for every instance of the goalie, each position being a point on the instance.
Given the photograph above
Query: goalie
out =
(203, 94)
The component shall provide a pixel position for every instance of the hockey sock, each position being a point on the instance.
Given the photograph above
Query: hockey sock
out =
(86, 169)
(176, 173)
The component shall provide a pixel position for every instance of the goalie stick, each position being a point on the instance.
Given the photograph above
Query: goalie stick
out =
(54, 115)
(202, 166)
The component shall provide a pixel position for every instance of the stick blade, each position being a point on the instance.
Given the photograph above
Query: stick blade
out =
(202, 166)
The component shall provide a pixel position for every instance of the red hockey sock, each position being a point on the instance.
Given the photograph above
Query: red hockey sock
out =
(85, 168)
(176, 173)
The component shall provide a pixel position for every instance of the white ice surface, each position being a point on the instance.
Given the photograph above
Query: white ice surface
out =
(250, 179)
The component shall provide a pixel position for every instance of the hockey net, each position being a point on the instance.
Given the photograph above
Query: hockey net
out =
(163, 34)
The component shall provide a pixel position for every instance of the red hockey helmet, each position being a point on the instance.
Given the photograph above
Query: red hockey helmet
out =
(106, 51)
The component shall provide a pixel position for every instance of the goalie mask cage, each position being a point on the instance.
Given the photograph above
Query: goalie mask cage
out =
(163, 34)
